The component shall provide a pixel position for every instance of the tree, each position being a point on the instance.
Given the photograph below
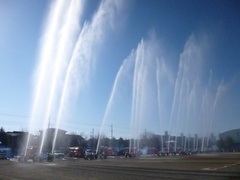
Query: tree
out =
(92, 143)
(77, 140)
(105, 141)
(3, 137)
(113, 142)
(155, 142)
(120, 143)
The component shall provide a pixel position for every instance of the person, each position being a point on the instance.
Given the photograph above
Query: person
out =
(49, 157)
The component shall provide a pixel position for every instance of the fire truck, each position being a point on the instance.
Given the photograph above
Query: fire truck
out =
(76, 152)
(32, 153)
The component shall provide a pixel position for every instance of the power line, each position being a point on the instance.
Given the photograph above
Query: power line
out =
(65, 121)
(14, 115)
(20, 116)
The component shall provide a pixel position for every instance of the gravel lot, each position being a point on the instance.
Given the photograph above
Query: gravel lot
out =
(202, 166)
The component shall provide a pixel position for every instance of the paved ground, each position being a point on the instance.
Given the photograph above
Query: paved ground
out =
(203, 166)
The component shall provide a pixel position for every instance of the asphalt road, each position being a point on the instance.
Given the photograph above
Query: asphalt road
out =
(202, 166)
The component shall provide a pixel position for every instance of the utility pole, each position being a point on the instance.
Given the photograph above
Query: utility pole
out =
(93, 132)
(49, 122)
(111, 131)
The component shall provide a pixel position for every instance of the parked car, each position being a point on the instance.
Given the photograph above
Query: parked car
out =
(90, 154)
(44, 156)
(58, 154)
(123, 151)
(3, 154)
(162, 153)
(129, 153)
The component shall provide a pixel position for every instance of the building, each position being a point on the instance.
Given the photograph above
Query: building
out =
(17, 141)
(230, 140)
(49, 138)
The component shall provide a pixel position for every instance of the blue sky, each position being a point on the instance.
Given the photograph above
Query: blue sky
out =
(140, 65)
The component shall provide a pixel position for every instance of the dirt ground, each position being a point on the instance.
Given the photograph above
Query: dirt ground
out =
(202, 166)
